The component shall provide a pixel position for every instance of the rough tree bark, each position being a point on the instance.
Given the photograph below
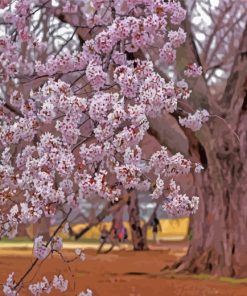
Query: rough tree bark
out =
(219, 227)
(22, 231)
(137, 235)
(219, 239)
(42, 228)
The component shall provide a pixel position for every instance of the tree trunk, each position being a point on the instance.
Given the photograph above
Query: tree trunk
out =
(42, 228)
(146, 224)
(22, 231)
(107, 210)
(219, 227)
(137, 236)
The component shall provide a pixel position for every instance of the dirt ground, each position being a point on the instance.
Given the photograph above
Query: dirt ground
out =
(119, 273)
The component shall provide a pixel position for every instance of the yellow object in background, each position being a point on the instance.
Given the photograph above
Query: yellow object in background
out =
(172, 230)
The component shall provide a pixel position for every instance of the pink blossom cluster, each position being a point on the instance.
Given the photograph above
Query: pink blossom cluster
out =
(196, 120)
(96, 75)
(159, 188)
(60, 283)
(97, 185)
(22, 129)
(183, 90)
(56, 244)
(88, 292)
(133, 32)
(70, 8)
(4, 3)
(177, 38)
(128, 175)
(80, 254)
(40, 250)
(169, 166)
(18, 18)
(41, 287)
(10, 226)
(44, 286)
(193, 70)
(177, 204)
(8, 59)
(168, 53)
(62, 64)
(9, 286)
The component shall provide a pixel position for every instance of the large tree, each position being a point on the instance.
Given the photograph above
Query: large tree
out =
(219, 227)
(219, 238)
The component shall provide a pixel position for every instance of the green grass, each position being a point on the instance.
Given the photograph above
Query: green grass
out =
(233, 280)
(203, 276)
(86, 241)
(26, 240)
(16, 240)
(221, 279)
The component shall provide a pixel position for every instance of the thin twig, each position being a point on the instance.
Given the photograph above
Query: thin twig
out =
(46, 245)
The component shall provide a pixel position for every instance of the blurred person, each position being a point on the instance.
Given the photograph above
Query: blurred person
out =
(122, 234)
(104, 233)
(155, 223)
(104, 237)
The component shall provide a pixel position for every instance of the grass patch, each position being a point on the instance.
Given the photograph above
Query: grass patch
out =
(221, 279)
(28, 241)
(14, 241)
(233, 280)
(203, 276)
(82, 240)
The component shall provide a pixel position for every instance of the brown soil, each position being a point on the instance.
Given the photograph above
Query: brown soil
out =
(120, 273)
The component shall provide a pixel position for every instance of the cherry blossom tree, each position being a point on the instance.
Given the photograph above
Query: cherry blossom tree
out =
(73, 120)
